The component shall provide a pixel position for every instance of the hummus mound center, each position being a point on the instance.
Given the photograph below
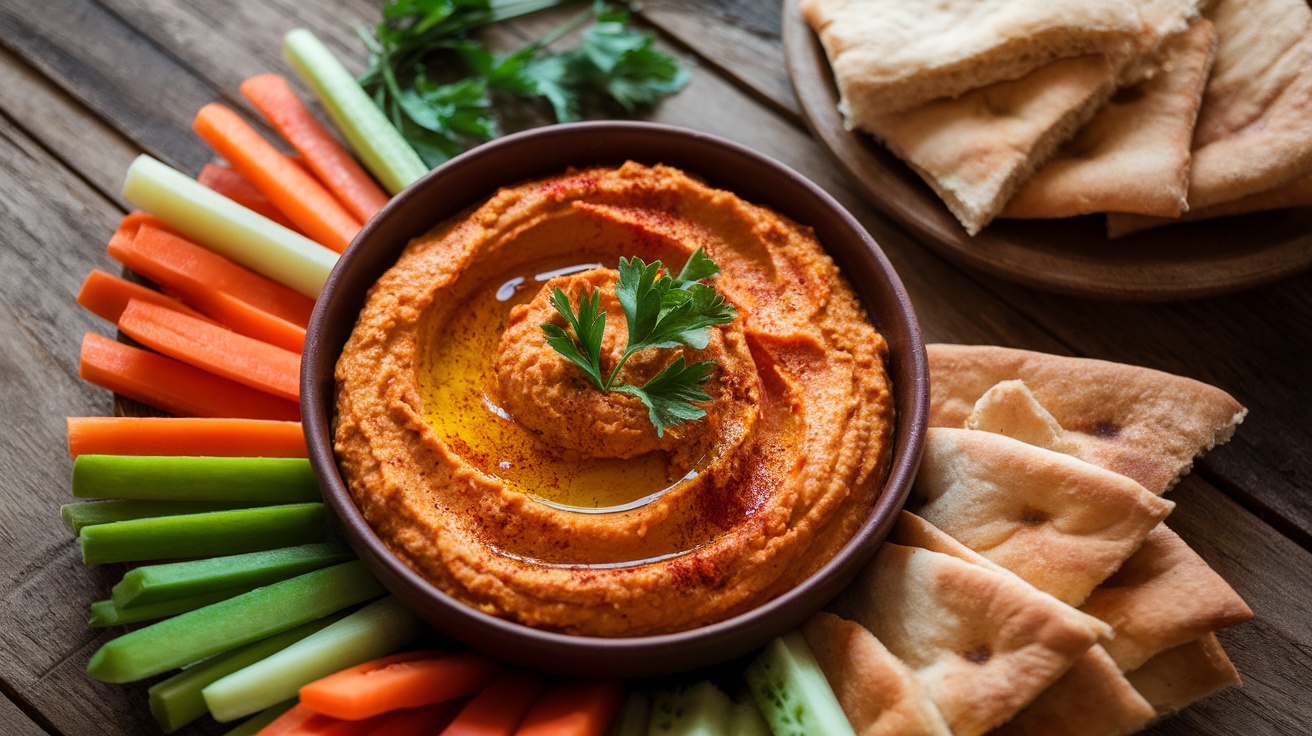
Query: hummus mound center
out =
(493, 466)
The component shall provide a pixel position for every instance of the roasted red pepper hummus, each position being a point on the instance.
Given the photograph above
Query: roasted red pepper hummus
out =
(491, 465)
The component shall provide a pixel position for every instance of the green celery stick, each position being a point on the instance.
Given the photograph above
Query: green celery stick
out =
(376, 630)
(227, 228)
(90, 513)
(262, 719)
(380, 147)
(155, 583)
(263, 612)
(791, 690)
(107, 613)
(177, 701)
(203, 535)
(252, 480)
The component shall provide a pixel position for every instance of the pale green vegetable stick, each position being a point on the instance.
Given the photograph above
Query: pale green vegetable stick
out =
(379, 145)
(227, 228)
(263, 718)
(791, 690)
(195, 635)
(376, 630)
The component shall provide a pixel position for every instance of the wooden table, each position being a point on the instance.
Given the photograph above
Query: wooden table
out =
(86, 85)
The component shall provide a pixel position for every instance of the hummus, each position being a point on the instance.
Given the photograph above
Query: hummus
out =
(491, 466)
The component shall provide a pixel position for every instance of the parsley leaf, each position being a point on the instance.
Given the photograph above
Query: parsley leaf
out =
(660, 312)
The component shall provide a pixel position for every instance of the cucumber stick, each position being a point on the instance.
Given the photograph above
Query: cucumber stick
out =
(746, 720)
(156, 583)
(90, 513)
(257, 722)
(195, 635)
(379, 146)
(378, 629)
(107, 613)
(203, 535)
(634, 716)
(177, 701)
(696, 710)
(251, 480)
(227, 228)
(791, 690)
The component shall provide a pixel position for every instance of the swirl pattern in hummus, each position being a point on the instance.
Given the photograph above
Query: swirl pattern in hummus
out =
(750, 501)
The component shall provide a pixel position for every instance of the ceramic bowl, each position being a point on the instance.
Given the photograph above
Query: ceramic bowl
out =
(472, 178)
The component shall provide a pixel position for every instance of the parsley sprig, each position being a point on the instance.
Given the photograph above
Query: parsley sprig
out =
(613, 61)
(660, 311)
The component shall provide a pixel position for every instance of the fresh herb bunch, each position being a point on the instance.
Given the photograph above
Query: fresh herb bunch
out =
(613, 61)
(661, 312)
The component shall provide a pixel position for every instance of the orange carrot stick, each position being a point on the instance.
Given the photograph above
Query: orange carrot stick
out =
(192, 271)
(213, 348)
(131, 224)
(425, 721)
(234, 186)
(173, 386)
(406, 680)
(328, 159)
(247, 320)
(301, 721)
(574, 709)
(209, 437)
(498, 709)
(106, 296)
(295, 193)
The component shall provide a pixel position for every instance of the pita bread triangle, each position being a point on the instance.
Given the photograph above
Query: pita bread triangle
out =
(1061, 524)
(1093, 698)
(1297, 193)
(1145, 424)
(983, 643)
(1184, 674)
(879, 694)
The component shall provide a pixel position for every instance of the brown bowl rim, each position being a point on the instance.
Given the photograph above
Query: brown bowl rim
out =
(552, 149)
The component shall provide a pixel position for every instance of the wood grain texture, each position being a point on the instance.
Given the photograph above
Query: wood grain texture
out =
(14, 722)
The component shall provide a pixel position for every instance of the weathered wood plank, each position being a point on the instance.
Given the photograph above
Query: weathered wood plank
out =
(1252, 344)
(14, 721)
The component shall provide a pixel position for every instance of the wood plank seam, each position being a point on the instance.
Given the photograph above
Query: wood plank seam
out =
(27, 708)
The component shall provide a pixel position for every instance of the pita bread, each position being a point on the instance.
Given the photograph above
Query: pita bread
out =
(1061, 524)
(1162, 597)
(1185, 674)
(894, 55)
(1134, 155)
(975, 150)
(1252, 133)
(879, 694)
(982, 643)
(1138, 422)
(1297, 193)
(1010, 408)
(913, 531)
(1093, 698)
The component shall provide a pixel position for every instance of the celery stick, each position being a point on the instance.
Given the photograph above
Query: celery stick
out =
(203, 535)
(90, 513)
(253, 480)
(378, 629)
(155, 583)
(263, 612)
(227, 228)
(177, 701)
(791, 690)
(262, 719)
(380, 147)
(107, 613)
(144, 478)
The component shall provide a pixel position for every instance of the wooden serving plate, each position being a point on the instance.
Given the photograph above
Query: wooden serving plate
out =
(1071, 256)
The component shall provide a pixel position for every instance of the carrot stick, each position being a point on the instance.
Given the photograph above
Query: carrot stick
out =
(173, 386)
(328, 159)
(295, 193)
(301, 721)
(106, 296)
(425, 721)
(498, 709)
(234, 186)
(406, 680)
(131, 224)
(194, 272)
(210, 437)
(215, 349)
(250, 321)
(574, 709)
